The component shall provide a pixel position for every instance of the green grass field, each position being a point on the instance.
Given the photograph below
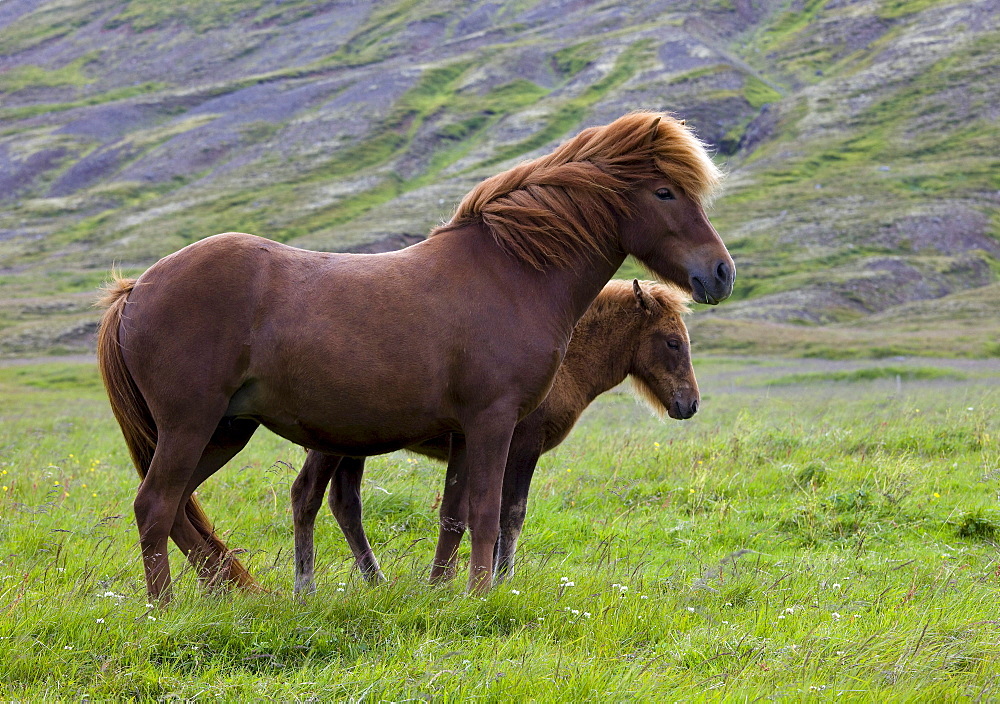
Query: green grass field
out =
(832, 535)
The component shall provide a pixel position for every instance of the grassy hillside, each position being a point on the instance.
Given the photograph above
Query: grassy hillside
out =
(862, 199)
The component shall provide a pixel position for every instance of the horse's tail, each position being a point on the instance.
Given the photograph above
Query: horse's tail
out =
(133, 415)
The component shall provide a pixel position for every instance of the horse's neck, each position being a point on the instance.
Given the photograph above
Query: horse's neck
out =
(560, 294)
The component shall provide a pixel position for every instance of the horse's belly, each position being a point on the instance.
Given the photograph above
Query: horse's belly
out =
(336, 423)
(355, 439)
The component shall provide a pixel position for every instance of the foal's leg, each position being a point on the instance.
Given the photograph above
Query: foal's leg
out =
(454, 513)
(525, 449)
(487, 442)
(210, 556)
(345, 502)
(307, 496)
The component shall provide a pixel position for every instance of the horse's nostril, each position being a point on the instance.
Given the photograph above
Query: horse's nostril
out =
(694, 406)
(722, 271)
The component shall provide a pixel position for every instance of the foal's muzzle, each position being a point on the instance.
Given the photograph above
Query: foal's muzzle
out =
(683, 408)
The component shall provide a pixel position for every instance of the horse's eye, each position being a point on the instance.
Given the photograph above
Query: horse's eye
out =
(664, 194)
(673, 344)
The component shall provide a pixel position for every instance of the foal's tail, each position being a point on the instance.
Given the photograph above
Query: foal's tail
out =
(133, 414)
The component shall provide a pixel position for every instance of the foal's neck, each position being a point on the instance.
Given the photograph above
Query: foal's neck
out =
(601, 352)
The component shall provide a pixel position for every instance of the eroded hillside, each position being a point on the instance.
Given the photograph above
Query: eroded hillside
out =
(861, 205)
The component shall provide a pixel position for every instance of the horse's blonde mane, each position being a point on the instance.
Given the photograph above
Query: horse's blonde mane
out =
(559, 206)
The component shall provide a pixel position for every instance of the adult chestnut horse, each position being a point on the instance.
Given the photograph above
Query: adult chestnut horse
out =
(630, 330)
(363, 354)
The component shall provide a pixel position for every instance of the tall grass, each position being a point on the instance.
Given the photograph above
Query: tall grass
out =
(803, 541)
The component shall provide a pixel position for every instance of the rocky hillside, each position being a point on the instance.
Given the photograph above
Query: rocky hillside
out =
(860, 138)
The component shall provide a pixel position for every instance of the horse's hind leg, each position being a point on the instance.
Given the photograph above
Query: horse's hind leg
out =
(160, 498)
(345, 502)
(308, 491)
(208, 554)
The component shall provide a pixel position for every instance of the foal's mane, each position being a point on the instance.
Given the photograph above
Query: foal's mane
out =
(618, 295)
(548, 210)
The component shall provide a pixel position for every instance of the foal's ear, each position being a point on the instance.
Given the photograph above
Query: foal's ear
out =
(643, 300)
(654, 130)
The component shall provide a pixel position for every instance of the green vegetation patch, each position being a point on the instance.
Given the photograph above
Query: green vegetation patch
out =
(53, 376)
(26, 111)
(142, 15)
(868, 374)
(28, 76)
(758, 93)
(894, 9)
(570, 60)
(979, 525)
(789, 24)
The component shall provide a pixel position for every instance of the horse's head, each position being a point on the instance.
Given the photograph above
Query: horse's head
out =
(665, 226)
(637, 185)
(661, 369)
(670, 234)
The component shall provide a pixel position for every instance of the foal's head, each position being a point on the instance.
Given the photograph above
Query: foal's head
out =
(661, 368)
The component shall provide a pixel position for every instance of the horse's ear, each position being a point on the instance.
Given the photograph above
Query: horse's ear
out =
(654, 130)
(643, 300)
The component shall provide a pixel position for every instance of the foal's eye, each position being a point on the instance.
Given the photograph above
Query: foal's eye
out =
(673, 344)
(664, 194)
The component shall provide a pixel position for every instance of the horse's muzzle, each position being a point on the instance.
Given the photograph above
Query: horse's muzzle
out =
(715, 287)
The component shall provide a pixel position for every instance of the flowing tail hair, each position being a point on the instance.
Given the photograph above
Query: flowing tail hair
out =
(135, 419)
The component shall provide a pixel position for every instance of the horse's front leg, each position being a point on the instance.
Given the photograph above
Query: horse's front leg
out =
(308, 491)
(487, 442)
(454, 513)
